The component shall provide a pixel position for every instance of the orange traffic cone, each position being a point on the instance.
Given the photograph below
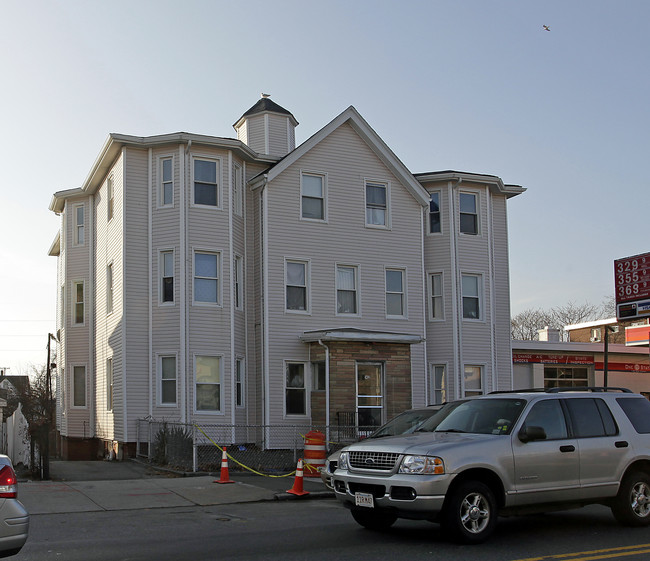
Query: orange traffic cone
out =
(225, 477)
(297, 482)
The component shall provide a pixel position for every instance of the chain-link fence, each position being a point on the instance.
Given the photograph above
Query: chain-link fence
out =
(262, 448)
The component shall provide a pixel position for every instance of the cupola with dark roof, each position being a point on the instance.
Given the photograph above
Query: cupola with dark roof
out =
(267, 128)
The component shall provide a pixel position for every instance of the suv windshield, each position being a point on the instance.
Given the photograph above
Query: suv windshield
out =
(482, 416)
(405, 423)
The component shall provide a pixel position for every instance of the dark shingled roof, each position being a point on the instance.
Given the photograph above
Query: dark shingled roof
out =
(265, 104)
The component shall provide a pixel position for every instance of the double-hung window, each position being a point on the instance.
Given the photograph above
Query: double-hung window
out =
(109, 384)
(238, 190)
(79, 225)
(468, 213)
(238, 277)
(471, 293)
(79, 386)
(312, 188)
(473, 380)
(395, 293)
(78, 311)
(239, 383)
(166, 182)
(206, 277)
(434, 213)
(376, 204)
(295, 390)
(167, 388)
(436, 311)
(206, 185)
(109, 288)
(346, 290)
(296, 283)
(208, 383)
(166, 276)
(110, 196)
(438, 380)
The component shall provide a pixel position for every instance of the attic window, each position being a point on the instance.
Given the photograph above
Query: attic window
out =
(376, 204)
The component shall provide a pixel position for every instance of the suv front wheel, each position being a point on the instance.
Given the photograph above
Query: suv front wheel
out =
(470, 514)
(631, 506)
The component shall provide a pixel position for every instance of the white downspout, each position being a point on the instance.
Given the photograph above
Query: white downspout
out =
(457, 336)
(182, 288)
(266, 414)
(231, 265)
(427, 388)
(327, 388)
(151, 277)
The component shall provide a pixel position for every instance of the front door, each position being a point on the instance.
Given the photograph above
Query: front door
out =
(370, 396)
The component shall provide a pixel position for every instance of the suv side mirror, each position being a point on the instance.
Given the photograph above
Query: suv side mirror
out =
(528, 434)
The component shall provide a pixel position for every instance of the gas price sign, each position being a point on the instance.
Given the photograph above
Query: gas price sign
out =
(632, 284)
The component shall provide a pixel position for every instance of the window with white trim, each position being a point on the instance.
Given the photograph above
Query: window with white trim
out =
(79, 386)
(79, 225)
(167, 380)
(436, 310)
(167, 182)
(206, 277)
(240, 385)
(295, 401)
(312, 190)
(296, 285)
(468, 213)
(109, 384)
(473, 378)
(166, 265)
(109, 288)
(110, 197)
(208, 375)
(438, 379)
(376, 204)
(435, 226)
(238, 281)
(206, 184)
(238, 190)
(395, 293)
(78, 303)
(471, 293)
(347, 293)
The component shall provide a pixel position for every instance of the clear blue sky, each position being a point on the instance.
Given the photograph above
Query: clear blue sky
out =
(475, 86)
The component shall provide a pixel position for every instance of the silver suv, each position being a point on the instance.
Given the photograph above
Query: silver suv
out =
(506, 454)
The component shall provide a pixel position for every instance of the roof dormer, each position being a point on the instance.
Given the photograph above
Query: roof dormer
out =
(267, 128)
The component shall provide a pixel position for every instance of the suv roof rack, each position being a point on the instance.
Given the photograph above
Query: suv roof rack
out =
(590, 389)
(567, 389)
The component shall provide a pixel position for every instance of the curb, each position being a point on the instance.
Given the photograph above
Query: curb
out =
(310, 495)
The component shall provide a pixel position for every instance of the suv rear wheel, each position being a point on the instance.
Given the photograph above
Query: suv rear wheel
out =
(632, 504)
(470, 515)
(372, 519)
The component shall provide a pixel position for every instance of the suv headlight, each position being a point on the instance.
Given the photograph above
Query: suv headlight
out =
(343, 461)
(422, 465)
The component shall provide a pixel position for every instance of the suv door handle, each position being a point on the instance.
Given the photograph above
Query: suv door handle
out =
(568, 448)
(621, 444)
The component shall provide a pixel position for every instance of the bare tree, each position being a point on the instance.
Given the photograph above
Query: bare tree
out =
(525, 325)
(38, 407)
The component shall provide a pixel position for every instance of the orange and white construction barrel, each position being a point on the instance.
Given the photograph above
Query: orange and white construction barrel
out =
(315, 453)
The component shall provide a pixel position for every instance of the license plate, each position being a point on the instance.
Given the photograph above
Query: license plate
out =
(364, 499)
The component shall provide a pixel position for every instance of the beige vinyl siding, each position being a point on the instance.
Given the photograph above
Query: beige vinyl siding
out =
(166, 318)
(134, 377)
(256, 133)
(76, 262)
(209, 325)
(109, 336)
(278, 141)
(347, 161)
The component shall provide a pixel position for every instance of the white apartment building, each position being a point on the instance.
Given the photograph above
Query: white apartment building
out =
(245, 280)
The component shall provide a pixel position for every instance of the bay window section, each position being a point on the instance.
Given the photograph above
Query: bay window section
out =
(208, 383)
(346, 290)
(206, 187)
(468, 214)
(166, 276)
(166, 182)
(473, 379)
(471, 293)
(295, 390)
(434, 214)
(206, 277)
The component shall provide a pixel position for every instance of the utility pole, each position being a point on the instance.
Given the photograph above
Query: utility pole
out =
(48, 408)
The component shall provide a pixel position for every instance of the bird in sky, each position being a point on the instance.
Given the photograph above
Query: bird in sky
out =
(546, 27)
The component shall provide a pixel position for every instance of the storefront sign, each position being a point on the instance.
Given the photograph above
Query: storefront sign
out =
(623, 367)
(520, 358)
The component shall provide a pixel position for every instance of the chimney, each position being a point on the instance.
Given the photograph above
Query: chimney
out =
(267, 128)
(550, 334)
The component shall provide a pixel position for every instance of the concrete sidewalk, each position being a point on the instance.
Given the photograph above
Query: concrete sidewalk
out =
(103, 486)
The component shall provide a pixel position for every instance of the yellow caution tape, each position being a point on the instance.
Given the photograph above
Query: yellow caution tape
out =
(242, 465)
